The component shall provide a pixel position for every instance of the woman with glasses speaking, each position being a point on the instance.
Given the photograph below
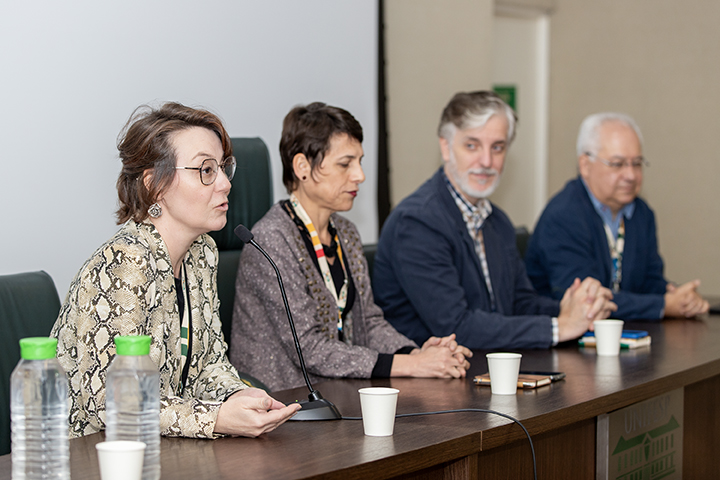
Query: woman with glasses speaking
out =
(157, 276)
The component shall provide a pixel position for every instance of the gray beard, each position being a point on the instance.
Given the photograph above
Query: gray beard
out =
(463, 181)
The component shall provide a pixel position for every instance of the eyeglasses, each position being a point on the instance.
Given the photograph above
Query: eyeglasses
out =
(209, 169)
(618, 163)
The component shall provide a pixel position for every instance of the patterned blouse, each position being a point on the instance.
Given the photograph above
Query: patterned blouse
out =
(127, 288)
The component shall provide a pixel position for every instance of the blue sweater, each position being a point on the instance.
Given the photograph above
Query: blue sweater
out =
(429, 282)
(569, 241)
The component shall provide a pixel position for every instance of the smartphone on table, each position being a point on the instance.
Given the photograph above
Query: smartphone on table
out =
(526, 379)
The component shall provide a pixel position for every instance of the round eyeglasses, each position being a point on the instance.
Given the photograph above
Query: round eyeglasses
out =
(620, 163)
(209, 169)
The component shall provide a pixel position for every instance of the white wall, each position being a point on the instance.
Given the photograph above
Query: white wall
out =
(72, 72)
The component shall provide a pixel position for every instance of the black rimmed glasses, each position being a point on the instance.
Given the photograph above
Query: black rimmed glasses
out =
(618, 163)
(209, 169)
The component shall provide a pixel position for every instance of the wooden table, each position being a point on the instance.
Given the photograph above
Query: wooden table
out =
(560, 418)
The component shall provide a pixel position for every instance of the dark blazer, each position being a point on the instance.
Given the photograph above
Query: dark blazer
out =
(569, 241)
(429, 281)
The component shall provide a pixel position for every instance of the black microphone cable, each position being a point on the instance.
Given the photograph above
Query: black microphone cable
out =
(316, 407)
(247, 237)
(472, 410)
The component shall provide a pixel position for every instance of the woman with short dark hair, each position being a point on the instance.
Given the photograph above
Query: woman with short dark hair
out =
(157, 276)
(342, 332)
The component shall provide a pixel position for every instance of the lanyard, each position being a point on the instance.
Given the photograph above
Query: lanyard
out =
(616, 252)
(341, 299)
(184, 328)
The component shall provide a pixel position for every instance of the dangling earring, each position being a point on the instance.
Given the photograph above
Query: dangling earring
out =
(155, 210)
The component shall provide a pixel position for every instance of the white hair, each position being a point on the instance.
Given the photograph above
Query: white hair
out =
(588, 139)
(472, 110)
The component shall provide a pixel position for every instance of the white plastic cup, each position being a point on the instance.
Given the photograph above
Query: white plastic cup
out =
(378, 410)
(607, 337)
(121, 460)
(504, 369)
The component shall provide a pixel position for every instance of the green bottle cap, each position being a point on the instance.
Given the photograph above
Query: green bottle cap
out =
(38, 348)
(133, 345)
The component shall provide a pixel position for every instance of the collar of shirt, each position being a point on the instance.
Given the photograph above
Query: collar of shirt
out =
(606, 214)
(473, 215)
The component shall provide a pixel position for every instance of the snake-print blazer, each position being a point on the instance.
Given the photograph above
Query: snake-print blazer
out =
(127, 288)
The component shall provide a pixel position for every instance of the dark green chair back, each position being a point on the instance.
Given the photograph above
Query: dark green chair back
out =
(370, 249)
(522, 237)
(250, 198)
(29, 306)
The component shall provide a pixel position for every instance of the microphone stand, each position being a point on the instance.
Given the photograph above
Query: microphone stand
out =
(315, 407)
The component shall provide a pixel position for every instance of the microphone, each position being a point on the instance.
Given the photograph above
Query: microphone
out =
(315, 407)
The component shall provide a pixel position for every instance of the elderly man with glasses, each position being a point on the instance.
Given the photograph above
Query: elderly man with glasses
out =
(598, 226)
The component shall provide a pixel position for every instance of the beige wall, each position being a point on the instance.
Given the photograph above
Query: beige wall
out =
(433, 49)
(659, 61)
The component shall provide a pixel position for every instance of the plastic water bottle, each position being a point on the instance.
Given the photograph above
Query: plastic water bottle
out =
(132, 400)
(39, 413)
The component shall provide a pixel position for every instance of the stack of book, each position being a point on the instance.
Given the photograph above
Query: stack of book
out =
(630, 339)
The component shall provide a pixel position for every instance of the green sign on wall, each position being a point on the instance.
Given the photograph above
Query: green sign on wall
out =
(508, 93)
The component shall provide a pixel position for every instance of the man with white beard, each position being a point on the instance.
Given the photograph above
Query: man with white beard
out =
(447, 259)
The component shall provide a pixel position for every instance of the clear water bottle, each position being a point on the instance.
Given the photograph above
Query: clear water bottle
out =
(39, 413)
(132, 400)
